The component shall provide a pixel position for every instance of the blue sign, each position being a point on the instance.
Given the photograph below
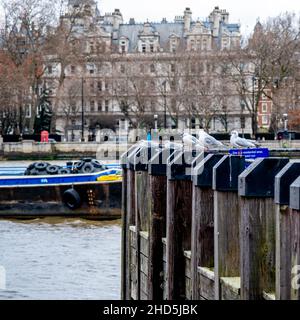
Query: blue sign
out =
(251, 154)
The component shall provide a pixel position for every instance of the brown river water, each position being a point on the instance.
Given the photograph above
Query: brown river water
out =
(60, 259)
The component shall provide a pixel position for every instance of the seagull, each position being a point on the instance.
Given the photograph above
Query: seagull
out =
(173, 145)
(209, 141)
(238, 142)
(191, 141)
(148, 143)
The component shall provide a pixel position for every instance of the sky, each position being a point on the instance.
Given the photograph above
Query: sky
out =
(244, 12)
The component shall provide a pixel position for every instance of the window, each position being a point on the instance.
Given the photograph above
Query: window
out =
(106, 86)
(173, 68)
(92, 71)
(151, 48)
(50, 69)
(73, 69)
(106, 105)
(92, 105)
(152, 85)
(264, 108)
(99, 85)
(92, 87)
(192, 45)
(152, 68)
(265, 119)
(122, 68)
(100, 105)
(92, 47)
(123, 48)
(28, 111)
(144, 48)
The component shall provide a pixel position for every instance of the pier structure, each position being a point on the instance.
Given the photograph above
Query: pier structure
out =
(205, 226)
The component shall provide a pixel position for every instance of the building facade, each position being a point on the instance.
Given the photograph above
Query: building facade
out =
(128, 74)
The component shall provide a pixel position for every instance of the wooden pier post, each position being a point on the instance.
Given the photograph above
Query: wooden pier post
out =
(142, 208)
(283, 180)
(157, 222)
(127, 221)
(226, 231)
(256, 188)
(179, 217)
(202, 239)
(295, 239)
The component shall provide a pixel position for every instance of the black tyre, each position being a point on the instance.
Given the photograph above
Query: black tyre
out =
(31, 166)
(79, 165)
(64, 171)
(97, 164)
(34, 172)
(52, 170)
(41, 166)
(87, 168)
(71, 199)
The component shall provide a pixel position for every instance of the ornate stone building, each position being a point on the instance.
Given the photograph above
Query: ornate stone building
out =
(129, 72)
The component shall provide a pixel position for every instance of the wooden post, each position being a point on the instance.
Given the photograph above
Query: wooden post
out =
(124, 234)
(283, 180)
(142, 209)
(295, 239)
(202, 244)
(157, 222)
(179, 209)
(127, 221)
(257, 233)
(226, 231)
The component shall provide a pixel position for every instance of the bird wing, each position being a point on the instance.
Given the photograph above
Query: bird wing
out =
(242, 142)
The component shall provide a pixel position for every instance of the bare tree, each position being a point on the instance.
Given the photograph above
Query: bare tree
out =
(264, 65)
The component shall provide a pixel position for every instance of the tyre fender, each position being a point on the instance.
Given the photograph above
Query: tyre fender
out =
(72, 199)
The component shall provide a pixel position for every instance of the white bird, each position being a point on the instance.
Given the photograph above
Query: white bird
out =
(148, 143)
(173, 145)
(209, 141)
(238, 142)
(191, 141)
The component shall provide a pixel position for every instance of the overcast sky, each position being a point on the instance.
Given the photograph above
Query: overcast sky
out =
(244, 12)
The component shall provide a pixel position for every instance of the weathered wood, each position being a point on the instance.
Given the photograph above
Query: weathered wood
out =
(227, 246)
(125, 227)
(158, 192)
(257, 247)
(142, 187)
(130, 220)
(133, 266)
(206, 283)
(283, 252)
(164, 273)
(144, 264)
(283, 181)
(202, 245)
(141, 216)
(295, 254)
(230, 288)
(188, 282)
(179, 208)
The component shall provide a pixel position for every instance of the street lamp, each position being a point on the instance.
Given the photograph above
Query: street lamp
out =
(242, 118)
(155, 121)
(82, 110)
(165, 103)
(285, 118)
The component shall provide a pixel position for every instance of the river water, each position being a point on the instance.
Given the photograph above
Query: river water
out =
(60, 259)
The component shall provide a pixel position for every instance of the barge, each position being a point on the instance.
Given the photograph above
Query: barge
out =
(95, 196)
